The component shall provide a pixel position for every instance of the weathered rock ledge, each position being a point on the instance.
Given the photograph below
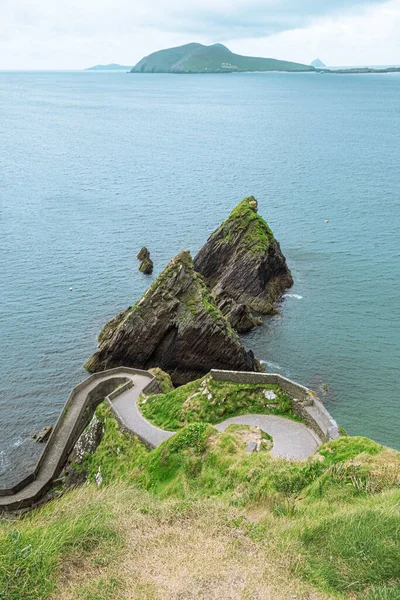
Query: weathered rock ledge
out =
(243, 261)
(176, 326)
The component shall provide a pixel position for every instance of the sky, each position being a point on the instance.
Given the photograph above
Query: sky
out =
(74, 34)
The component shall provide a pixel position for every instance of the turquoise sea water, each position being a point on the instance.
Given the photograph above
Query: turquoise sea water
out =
(95, 165)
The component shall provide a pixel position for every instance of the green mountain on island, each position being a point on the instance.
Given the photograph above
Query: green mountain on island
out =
(197, 58)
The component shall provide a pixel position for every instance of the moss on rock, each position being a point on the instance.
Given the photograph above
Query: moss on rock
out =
(163, 379)
(242, 260)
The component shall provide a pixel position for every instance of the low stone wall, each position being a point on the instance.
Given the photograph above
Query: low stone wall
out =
(105, 388)
(304, 402)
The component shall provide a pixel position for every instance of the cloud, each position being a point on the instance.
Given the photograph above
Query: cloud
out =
(229, 19)
(369, 38)
(221, 18)
(48, 34)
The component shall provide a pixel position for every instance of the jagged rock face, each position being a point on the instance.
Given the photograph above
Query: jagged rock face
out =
(176, 326)
(239, 316)
(242, 259)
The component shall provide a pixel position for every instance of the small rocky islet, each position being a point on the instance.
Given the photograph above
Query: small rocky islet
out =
(146, 264)
(242, 262)
(187, 322)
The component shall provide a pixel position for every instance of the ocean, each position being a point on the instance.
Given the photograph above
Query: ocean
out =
(94, 165)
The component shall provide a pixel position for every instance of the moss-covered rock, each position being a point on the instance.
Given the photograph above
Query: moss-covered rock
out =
(243, 260)
(176, 326)
(163, 379)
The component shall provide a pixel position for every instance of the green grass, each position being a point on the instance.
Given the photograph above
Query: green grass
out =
(342, 539)
(244, 222)
(357, 548)
(33, 548)
(163, 379)
(329, 525)
(119, 457)
(212, 401)
(348, 447)
(329, 533)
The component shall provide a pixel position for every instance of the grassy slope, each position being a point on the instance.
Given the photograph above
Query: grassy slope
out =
(200, 518)
(212, 401)
(164, 59)
(212, 57)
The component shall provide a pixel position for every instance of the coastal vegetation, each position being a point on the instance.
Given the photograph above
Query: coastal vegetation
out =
(245, 221)
(197, 58)
(212, 401)
(202, 515)
(199, 517)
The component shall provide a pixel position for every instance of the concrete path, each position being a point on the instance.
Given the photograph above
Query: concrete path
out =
(291, 439)
(126, 409)
(68, 428)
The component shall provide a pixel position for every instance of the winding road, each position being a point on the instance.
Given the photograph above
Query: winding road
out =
(121, 387)
(291, 439)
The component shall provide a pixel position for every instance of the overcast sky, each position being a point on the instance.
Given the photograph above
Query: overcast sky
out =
(73, 34)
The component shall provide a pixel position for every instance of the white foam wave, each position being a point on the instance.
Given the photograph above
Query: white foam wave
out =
(18, 443)
(271, 365)
(297, 296)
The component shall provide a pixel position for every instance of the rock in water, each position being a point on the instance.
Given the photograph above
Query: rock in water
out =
(146, 266)
(143, 253)
(43, 435)
(176, 326)
(243, 260)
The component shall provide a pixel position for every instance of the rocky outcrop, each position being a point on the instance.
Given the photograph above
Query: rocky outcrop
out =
(146, 264)
(176, 326)
(163, 380)
(143, 253)
(239, 316)
(242, 260)
(43, 435)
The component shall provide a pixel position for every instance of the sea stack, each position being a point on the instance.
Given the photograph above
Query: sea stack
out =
(176, 326)
(242, 261)
(146, 264)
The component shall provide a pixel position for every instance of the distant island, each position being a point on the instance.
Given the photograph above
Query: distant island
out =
(217, 58)
(360, 70)
(197, 58)
(110, 67)
(318, 63)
